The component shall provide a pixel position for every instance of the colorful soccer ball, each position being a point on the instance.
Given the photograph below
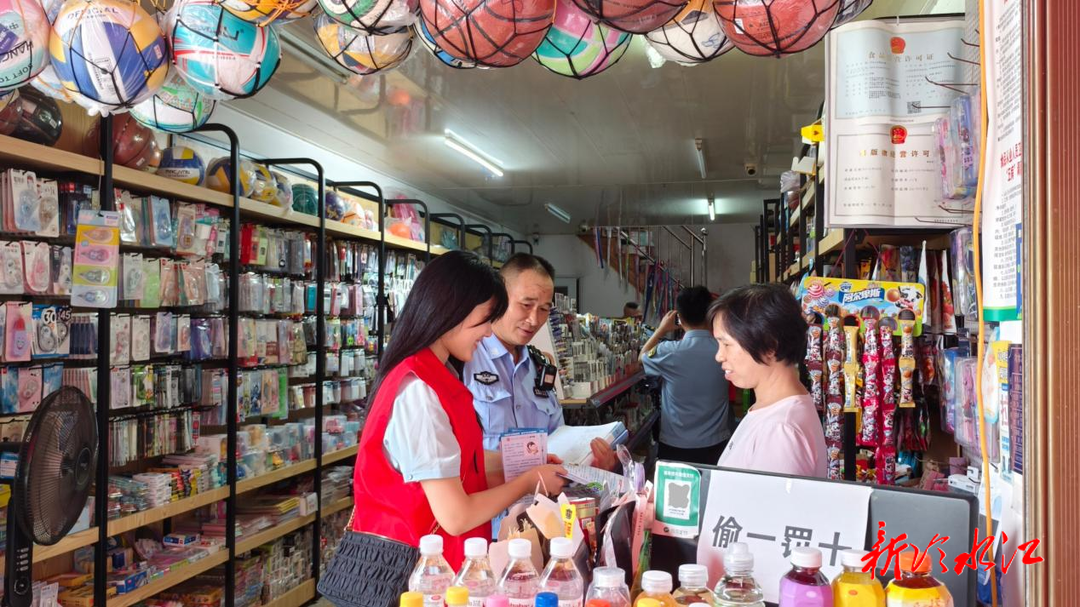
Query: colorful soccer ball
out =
(776, 27)
(176, 108)
(111, 53)
(335, 206)
(182, 164)
(265, 12)
(134, 145)
(492, 33)
(694, 36)
(421, 32)
(359, 52)
(578, 47)
(632, 16)
(219, 176)
(849, 9)
(219, 54)
(372, 16)
(24, 42)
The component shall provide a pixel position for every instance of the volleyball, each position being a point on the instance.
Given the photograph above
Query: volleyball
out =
(492, 33)
(694, 36)
(24, 42)
(265, 12)
(578, 47)
(264, 187)
(632, 16)
(182, 164)
(283, 196)
(849, 9)
(109, 53)
(776, 27)
(176, 108)
(372, 16)
(219, 176)
(359, 52)
(421, 32)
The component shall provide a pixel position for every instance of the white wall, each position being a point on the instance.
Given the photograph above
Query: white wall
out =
(731, 251)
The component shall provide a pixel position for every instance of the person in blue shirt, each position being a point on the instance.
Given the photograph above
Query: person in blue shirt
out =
(502, 374)
(694, 412)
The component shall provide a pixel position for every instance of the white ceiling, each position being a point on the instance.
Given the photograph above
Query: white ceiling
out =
(617, 148)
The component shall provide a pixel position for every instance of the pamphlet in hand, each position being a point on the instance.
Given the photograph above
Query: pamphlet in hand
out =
(522, 450)
(572, 443)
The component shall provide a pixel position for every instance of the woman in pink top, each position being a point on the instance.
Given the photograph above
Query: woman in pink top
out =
(761, 335)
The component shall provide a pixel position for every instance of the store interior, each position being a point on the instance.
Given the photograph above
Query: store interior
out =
(201, 346)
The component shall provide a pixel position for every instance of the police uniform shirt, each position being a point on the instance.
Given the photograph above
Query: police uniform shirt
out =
(505, 395)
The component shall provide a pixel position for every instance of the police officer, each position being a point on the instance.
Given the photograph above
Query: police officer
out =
(503, 373)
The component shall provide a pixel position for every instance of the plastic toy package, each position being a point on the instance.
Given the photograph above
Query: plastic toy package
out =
(863, 299)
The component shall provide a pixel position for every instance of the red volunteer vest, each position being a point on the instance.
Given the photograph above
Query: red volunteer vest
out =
(388, 506)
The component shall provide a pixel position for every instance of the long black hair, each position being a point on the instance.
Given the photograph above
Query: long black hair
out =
(444, 294)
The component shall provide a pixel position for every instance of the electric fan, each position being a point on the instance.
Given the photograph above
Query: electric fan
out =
(49, 484)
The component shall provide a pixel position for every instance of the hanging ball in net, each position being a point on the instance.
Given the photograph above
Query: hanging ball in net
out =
(219, 54)
(420, 31)
(694, 36)
(265, 12)
(491, 33)
(776, 27)
(24, 42)
(111, 53)
(632, 16)
(134, 145)
(182, 164)
(372, 16)
(579, 47)
(175, 108)
(359, 52)
(219, 176)
(849, 9)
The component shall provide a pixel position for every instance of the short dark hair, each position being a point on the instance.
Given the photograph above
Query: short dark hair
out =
(764, 319)
(520, 262)
(692, 304)
(630, 305)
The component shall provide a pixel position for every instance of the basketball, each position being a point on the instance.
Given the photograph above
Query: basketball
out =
(632, 16)
(134, 145)
(776, 27)
(491, 33)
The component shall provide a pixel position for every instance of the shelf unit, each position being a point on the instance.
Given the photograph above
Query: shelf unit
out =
(163, 583)
(606, 395)
(338, 506)
(296, 597)
(247, 544)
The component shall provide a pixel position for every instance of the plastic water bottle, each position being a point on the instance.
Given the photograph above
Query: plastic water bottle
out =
(456, 596)
(805, 585)
(737, 588)
(433, 574)
(694, 586)
(561, 576)
(520, 583)
(609, 586)
(657, 585)
(476, 575)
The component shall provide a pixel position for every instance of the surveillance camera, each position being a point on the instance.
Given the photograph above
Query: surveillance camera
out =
(583, 228)
(536, 238)
(750, 168)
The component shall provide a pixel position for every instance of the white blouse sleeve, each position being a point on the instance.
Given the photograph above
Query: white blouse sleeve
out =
(419, 441)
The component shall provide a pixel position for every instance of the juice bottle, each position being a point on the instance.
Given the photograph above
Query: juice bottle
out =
(694, 586)
(916, 587)
(412, 599)
(805, 585)
(520, 582)
(476, 575)
(608, 586)
(737, 588)
(561, 576)
(853, 588)
(456, 596)
(432, 575)
(656, 585)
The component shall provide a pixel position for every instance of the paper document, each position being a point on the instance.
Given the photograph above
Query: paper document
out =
(571, 443)
(521, 451)
(587, 475)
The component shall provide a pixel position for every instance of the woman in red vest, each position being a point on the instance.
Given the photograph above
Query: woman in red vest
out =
(420, 467)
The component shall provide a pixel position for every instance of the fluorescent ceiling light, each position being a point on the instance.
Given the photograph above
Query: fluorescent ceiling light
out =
(459, 145)
(699, 147)
(712, 209)
(314, 58)
(557, 212)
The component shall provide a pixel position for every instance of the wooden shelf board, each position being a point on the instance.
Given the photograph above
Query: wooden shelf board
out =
(340, 454)
(156, 184)
(832, 242)
(808, 195)
(394, 240)
(71, 542)
(793, 269)
(338, 506)
(794, 220)
(296, 597)
(272, 477)
(438, 249)
(247, 544)
(146, 517)
(337, 228)
(572, 402)
(806, 262)
(27, 155)
(269, 211)
(169, 580)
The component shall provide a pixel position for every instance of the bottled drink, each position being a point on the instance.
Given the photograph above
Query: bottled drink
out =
(694, 586)
(476, 575)
(916, 587)
(737, 588)
(520, 583)
(656, 585)
(805, 585)
(853, 588)
(412, 599)
(456, 596)
(547, 599)
(561, 576)
(433, 574)
(608, 586)
(497, 600)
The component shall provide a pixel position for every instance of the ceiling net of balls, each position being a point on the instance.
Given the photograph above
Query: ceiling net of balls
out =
(169, 69)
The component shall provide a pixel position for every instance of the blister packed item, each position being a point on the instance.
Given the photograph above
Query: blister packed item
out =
(97, 247)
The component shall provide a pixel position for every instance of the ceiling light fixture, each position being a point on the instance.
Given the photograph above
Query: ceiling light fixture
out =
(466, 149)
(712, 209)
(557, 212)
(699, 147)
(314, 58)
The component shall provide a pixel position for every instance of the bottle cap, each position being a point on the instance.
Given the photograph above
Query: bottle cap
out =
(412, 599)
(907, 562)
(561, 548)
(657, 582)
(737, 557)
(647, 602)
(520, 549)
(475, 547)
(598, 603)
(693, 576)
(547, 599)
(609, 577)
(497, 600)
(809, 558)
(431, 545)
(853, 558)
(456, 595)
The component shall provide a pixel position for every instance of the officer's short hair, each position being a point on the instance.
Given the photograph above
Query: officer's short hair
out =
(520, 262)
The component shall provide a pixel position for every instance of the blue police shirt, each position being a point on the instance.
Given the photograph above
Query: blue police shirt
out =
(504, 393)
(694, 397)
